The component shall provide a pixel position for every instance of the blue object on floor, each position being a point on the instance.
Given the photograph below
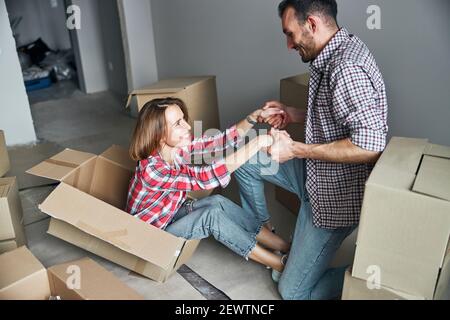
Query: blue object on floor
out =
(37, 84)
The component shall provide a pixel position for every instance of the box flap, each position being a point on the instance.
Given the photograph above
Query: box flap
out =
(119, 155)
(438, 151)
(168, 86)
(433, 178)
(112, 225)
(403, 154)
(61, 165)
(97, 283)
(16, 265)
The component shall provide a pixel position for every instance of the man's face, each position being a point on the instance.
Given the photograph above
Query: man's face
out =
(299, 37)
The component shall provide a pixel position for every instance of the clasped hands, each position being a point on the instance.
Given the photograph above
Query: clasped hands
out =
(278, 143)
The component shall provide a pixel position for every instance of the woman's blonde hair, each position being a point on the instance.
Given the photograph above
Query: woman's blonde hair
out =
(151, 127)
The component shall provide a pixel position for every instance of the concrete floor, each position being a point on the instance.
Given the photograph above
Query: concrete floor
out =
(92, 123)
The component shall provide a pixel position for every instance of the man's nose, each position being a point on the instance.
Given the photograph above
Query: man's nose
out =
(290, 44)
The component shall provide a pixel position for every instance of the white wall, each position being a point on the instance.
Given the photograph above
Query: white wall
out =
(15, 115)
(139, 44)
(40, 20)
(241, 42)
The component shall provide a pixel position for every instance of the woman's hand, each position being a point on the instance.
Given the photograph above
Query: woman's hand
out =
(277, 114)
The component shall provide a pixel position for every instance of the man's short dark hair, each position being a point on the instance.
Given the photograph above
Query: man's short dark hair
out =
(304, 8)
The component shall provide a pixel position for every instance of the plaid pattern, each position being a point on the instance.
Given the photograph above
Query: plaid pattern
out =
(347, 99)
(157, 189)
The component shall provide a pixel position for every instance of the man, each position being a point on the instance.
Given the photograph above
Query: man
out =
(346, 127)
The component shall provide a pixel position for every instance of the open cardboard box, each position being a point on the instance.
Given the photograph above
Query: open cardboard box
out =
(4, 158)
(23, 277)
(87, 210)
(12, 233)
(405, 217)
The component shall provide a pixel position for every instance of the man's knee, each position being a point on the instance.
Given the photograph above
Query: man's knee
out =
(291, 291)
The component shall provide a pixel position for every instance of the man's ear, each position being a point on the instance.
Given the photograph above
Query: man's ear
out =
(312, 23)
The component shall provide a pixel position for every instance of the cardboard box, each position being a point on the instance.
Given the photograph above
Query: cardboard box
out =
(87, 210)
(23, 277)
(12, 234)
(405, 217)
(293, 93)
(4, 158)
(200, 96)
(357, 289)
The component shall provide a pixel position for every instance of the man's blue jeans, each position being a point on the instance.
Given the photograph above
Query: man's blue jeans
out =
(307, 274)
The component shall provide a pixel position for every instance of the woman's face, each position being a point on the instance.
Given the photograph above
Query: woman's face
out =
(178, 131)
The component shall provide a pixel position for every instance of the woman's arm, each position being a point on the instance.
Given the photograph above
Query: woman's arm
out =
(237, 159)
(160, 176)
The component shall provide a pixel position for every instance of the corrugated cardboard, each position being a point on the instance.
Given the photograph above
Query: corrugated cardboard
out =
(405, 217)
(4, 158)
(23, 277)
(12, 234)
(96, 283)
(200, 96)
(87, 210)
(356, 289)
(293, 93)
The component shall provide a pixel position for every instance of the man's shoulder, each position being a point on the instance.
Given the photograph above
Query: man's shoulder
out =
(351, 54)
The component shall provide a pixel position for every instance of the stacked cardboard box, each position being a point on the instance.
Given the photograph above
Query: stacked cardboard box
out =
(200, 96)
(4, 158)
(12, 234)
(404, 230)
(23, 277)
(293, 93)
(87, 210)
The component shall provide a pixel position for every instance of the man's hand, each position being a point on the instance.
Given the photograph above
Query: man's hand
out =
(277, 120)
(282, 149)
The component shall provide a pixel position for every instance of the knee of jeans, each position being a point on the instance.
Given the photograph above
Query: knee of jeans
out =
(217, 200)
(289, 292)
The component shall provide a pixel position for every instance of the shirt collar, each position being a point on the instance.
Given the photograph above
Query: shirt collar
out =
(322, 60)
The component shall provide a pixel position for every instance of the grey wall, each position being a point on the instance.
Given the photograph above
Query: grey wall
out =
(41, 20)
(113, 47)
(139, 44)
(15, 115)
(241, 42)
(88, 45)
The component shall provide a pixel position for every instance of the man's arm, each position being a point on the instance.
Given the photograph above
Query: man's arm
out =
(342, 151)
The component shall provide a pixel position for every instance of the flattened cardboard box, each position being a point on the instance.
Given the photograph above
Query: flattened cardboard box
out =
(405, 217)
(87, 210)
(4, 158)
(23, 277)
(293, 93)
(12, 233)
(200, 96)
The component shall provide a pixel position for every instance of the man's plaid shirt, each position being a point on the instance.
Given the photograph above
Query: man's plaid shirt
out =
(347, 99)
(158, 189)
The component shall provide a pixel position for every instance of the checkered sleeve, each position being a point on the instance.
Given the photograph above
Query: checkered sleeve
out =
(354, 106)
(216, 143)
(160, 176)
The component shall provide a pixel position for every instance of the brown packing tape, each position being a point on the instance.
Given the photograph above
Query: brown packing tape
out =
(110, 236)
(61, 163)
